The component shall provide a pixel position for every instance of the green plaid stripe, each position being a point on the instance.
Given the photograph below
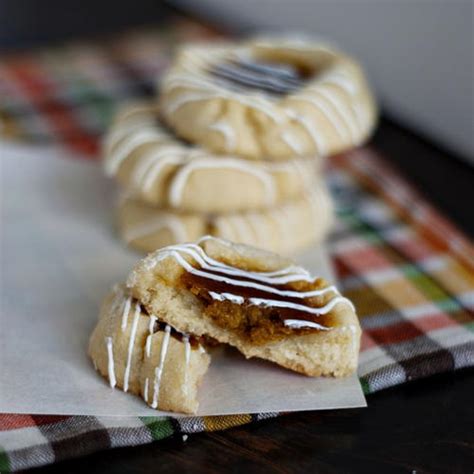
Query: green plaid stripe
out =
(4, 462)
(159, 428)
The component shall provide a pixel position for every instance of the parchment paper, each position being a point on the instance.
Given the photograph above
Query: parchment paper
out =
(59, 258)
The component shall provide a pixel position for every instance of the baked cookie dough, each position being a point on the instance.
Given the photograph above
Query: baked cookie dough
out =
(160, 169)
(284, 229)
(141, 354)
(276, 98)
(254, 300)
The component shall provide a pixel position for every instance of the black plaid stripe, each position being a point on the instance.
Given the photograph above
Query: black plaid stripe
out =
(75, 436)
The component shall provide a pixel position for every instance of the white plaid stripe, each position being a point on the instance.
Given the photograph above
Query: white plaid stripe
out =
(467, 299)
(414, 312)
(20, 438)
(463, 355)
(376, 212)
(452, 336)
(401, 233)
(376, 277)
(348, 244)
(191, 425)
(125, 430)
(434, 262)
(265, 416)
(372, 360)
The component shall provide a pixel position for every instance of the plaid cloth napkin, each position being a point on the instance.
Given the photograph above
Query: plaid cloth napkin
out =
(408, 270)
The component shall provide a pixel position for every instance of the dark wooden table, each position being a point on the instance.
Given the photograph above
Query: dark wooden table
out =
(425, 426)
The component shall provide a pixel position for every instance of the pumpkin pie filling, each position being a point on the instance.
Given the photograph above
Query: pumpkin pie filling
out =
(256, 314)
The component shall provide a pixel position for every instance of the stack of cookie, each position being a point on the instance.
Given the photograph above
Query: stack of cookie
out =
(234, 145)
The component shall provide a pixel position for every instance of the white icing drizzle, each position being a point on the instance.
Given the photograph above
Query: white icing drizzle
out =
(341, 80)
(293, 271)
(196, 84)
(131, 343)
(166, 156)
(127, 146)
(292, 142)
(311, 130)
(159, 369)
(302, 324)
(110, 358)
(151, 325)
(209, 90)
(299, 307)
(282, 276)
(152, 163)
(182, 176)
(170, 152)
(227, 296)
(187, 98)
(187, 356)
(343, 111)
(323, 108)
(226, 273)
(145, 390)
(227, 132)
(125, 312)
(146, 229)
(120, 131)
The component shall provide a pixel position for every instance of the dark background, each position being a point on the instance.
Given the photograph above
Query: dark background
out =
(27, 23)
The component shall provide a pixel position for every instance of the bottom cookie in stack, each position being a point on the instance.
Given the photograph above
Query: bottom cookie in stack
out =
(284, 229)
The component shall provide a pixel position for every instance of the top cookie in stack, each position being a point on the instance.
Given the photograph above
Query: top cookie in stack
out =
(234, 146)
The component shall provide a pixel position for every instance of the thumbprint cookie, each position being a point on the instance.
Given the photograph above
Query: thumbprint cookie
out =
(160, 169)
(287, 228)
(254, 300)
(271, 97)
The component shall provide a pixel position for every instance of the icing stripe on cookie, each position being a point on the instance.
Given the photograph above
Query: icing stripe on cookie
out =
(182, 176)
(110, 362)
(146, 229)
(131, 345)
(238, 279)
(159, 369)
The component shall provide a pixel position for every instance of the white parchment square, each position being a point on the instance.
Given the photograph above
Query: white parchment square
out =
(59, 256)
